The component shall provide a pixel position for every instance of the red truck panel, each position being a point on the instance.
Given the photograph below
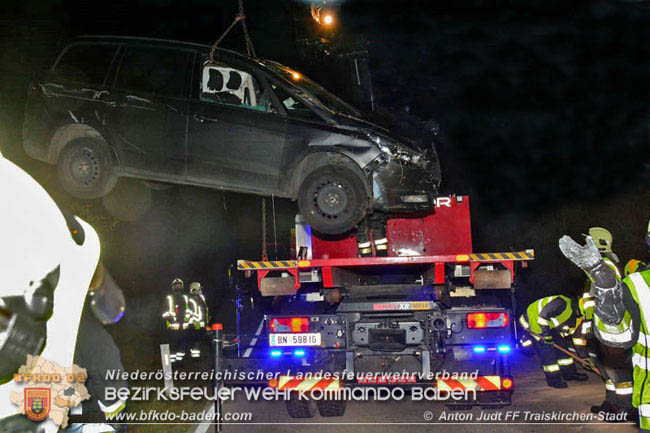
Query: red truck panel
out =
(446, 231)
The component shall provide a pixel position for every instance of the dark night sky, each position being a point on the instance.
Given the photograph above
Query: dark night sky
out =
(543, 105)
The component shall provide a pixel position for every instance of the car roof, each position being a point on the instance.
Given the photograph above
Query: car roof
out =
(159, 42)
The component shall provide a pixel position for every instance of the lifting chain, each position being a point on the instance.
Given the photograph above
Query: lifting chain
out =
(275, 229)
(264, 255)
(241, 16)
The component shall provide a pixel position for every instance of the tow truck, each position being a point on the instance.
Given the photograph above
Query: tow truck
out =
(432, 314)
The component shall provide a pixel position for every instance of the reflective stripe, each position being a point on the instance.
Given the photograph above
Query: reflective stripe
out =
(612, 265)
(381, 241)
(381, 247)
(565, 361)
(640, 361)
(644, 339)
(542, 321)
(614, 329)
(616, 338)
(541, 303)
(170, 308)
(589, 304)
(567, 313)
(586, 327)
(364, 245)
(551, 368)
(526, 343)
(643, 293)
(553, 320)
(624, 388)
(579, 341)
(609, 385)
(593, 355)
(644, 410)
(365, 250)
(523, 322)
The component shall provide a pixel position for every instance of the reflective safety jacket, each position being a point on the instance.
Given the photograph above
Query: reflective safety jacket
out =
(176, 310)
(630, 329)
(551, 313)
(197, 311)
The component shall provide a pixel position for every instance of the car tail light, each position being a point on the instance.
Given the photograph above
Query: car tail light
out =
(506, 383)
(487, 320)
(289, 324)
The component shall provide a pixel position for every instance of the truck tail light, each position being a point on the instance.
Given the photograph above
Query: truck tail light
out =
(506, 383)
(487, 320)
(289, 324)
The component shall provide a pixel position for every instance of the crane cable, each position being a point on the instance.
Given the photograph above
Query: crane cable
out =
(264, 255)
(241, 16)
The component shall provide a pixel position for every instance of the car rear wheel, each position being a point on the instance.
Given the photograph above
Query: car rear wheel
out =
(85, 169)
(332, 199)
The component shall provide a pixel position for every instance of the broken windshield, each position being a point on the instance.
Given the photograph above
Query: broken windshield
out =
(312, 90)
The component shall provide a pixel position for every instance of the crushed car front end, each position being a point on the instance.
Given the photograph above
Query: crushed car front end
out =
(404, 179)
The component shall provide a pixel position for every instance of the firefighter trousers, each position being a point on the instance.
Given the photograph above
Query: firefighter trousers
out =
(618, 379)
(177, 340)
(556, 364)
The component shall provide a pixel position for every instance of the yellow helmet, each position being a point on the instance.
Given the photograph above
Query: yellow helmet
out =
(632, 266)
(603, 239)
(195, 288)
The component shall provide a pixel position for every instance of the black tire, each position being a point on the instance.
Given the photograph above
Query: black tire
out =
(85, 168)
(331, 407)
(297, 408)
(332, 199)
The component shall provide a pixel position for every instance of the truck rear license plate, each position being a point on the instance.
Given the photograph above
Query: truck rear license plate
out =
(302, 339)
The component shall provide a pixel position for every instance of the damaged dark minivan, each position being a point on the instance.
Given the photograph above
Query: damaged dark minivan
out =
(165, 111)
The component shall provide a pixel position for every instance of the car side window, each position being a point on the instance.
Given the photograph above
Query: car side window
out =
(222, 84)
(294, 107)
(160, 71)
(87, 63)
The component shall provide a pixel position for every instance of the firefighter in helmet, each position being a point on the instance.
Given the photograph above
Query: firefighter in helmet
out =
(197, 318)
(621, 314)
(549, 320)
(615, 368)
(176, 314)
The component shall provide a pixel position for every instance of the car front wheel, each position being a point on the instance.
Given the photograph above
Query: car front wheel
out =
(332, 199)
(85, 169)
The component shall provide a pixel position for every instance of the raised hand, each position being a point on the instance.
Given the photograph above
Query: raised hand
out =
(585, 257)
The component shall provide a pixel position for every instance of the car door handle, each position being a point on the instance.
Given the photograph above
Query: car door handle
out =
(200, 118)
